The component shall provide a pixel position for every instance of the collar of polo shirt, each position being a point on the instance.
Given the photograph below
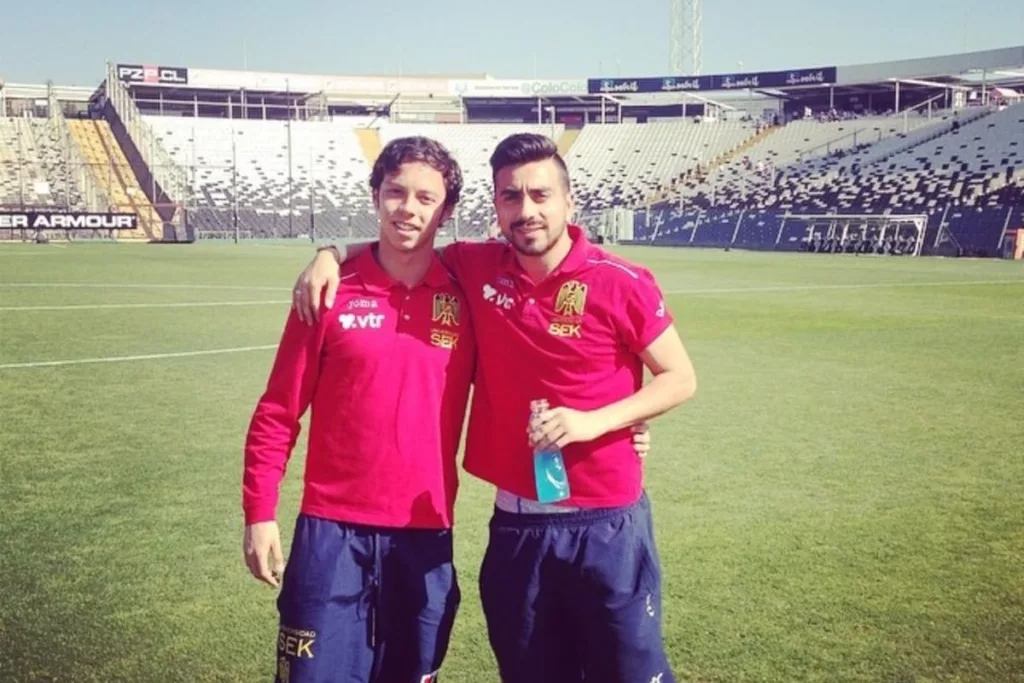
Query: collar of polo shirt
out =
(375, 277)
(573, 261)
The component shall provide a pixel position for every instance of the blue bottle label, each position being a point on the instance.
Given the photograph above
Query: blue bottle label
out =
(550, 476)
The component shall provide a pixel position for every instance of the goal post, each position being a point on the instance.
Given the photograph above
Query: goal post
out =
(863, 233)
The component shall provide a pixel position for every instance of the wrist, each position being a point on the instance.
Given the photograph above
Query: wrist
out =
(608, 419)
(332, 251)
(259, 514)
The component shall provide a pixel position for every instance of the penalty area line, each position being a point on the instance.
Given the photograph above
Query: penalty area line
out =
(123, 359)
(179, 304)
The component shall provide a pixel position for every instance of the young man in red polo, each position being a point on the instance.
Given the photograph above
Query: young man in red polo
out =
(370, 593)
(571, 588)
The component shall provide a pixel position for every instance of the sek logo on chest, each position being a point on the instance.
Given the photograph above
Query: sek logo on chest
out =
(366, 321)
(446, 318)
(570, 305)
(499, 299)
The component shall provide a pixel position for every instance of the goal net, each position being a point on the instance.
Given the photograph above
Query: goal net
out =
(887, 234)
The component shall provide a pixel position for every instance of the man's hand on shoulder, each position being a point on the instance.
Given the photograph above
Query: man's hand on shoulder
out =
(322, 272)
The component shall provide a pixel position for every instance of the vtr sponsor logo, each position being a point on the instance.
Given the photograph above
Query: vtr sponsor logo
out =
(350, 321)
(497, 298)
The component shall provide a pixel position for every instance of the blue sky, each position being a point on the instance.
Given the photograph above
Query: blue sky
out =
(506, 39)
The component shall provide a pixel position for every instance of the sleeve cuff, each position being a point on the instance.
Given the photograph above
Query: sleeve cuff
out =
(652, 332)
(263, 512)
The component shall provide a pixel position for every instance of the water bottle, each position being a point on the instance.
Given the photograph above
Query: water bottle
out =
(549, 473)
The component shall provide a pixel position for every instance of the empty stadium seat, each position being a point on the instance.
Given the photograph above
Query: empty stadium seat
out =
(628, 163)
(911, 164)
(243, 165)
(33, 172)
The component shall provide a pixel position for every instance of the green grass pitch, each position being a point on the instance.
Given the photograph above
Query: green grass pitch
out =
(842, 501)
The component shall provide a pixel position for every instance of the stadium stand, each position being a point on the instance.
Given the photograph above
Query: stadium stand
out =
(243, 166)
(206, 153)
(115, 177)
(967, 177)
(628, 163)
(967, 163)
(867, 164)
(807, 151)
(33, 173)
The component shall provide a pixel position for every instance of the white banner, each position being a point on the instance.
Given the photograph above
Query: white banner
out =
(383, 86)
(346, 85)
(518, 88)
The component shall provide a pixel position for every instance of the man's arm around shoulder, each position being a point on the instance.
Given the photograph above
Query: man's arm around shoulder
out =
(322, 275)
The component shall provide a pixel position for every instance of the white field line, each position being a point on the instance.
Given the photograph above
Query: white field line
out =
(183, 304)
(100, 285)
(120, 359)
(865, 285)
(241, 349)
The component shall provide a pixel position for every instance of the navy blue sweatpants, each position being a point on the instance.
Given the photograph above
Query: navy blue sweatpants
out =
(575, 596)
(365, 604)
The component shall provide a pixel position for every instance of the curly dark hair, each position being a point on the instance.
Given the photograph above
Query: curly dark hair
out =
(431, 152)
(524, 148)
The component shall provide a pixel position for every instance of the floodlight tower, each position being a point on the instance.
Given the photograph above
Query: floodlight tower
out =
(685, 41)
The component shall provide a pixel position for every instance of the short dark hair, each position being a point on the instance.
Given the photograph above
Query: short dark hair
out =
(525, 148)
(411, 149)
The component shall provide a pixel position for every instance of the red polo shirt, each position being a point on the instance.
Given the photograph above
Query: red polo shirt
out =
(574, 339)
(387, 371)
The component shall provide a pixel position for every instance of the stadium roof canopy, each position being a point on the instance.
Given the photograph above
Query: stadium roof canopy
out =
(910, 81)
(1004, 66)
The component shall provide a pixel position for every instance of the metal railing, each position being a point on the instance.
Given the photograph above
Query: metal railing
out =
(171, 177)
(76, 171)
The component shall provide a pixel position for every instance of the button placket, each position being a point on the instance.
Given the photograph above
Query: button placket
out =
(527, 292)
(529, 307)
(404, 306)
(539, 319)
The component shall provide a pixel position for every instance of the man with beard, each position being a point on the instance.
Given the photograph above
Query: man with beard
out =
(571, 590)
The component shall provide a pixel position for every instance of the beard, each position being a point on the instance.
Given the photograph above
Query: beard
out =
(536, 243)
